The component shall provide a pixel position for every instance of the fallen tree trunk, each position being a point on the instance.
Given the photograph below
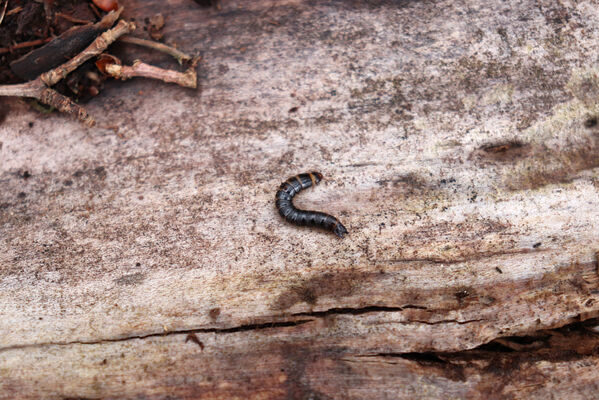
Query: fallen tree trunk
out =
(144, 258)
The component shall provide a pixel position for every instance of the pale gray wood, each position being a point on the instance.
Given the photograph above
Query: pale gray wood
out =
(457, 147)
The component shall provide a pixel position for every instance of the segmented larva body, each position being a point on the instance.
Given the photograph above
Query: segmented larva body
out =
(284, 203)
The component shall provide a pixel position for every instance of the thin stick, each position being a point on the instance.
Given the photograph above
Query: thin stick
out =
(140, 69)
(29, 89)
(177, 54)
(3, 11)
(23, 45)
(95, 10)
(72, 19)
(15, 10)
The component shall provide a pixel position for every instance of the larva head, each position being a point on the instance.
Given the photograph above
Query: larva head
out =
(317, 176)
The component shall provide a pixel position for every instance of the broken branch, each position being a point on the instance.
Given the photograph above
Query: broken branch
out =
(140, 69)
(65, 105)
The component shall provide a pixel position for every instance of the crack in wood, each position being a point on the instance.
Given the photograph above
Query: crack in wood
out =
(356, 311)
(260, 326)
(372, 309)
(569, 341)
(447, 321)
(241, 328)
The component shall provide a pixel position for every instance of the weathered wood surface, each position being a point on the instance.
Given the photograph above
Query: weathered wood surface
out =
(459, 145)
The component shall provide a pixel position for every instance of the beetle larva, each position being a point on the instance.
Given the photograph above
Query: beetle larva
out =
(284, 203)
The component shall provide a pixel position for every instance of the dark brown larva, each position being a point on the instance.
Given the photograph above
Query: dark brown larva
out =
(284, 202)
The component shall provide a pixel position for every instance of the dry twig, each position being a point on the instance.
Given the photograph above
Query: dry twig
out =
(3, 11)
(15, 10)
(73, 19)
(31, 43)
(140, 69)
(95, 10)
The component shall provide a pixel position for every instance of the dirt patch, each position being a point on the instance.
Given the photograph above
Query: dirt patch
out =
(503, 152)
(330, 284)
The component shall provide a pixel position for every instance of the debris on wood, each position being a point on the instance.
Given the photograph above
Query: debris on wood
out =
(155, 25)
(86, 83)
(61, 48)
(44, 67)
(194, 338)
(40, 87)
